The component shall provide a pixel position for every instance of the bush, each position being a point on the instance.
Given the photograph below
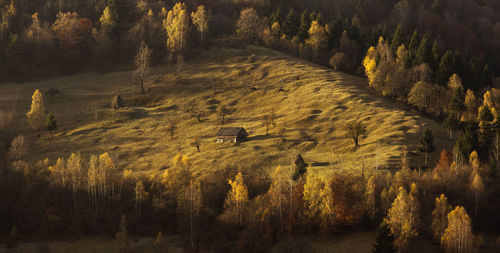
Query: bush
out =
(18, 148)
(53, 91)
(117, 102)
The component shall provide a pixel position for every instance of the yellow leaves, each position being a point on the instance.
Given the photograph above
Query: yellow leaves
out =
(177, 26)
(370, 64)
(474, 159)
(276, 29)
(458, 235)
(487, 100)
(107, 20)
(239, 191)
(200, 19)
(401, 55)
(317, 36)
(36, 115)
(106, 162)
(126, 173)
(455, 82)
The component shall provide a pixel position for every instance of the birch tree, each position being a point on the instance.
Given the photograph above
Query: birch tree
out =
(142, 64)
(440, 216)
(36, 115)
(457, 237)
(237, 198)
(177, 26)
(200, 20)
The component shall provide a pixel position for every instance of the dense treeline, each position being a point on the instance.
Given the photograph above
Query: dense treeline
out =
(462, 37)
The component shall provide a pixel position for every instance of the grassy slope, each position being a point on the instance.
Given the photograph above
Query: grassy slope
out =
(313, 109)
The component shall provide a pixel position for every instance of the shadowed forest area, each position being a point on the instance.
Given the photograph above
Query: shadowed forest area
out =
(362, 126)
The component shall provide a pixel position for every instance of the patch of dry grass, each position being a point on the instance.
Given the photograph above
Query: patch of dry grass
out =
(313, 109)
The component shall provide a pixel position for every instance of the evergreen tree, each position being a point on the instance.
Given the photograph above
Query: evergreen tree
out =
(336, 29)
(291, 24)
(451, 123)
(445, 67)
(275, 17)
(412, 48)
(305, 24)
(467, 142)
(424, 54)
(427, 144)
(51, 123)
(398, 38)
(384, 240)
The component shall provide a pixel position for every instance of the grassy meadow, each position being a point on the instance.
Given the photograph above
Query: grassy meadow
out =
(312, 102)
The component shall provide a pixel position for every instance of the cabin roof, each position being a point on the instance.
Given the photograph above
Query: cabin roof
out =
(231, 131)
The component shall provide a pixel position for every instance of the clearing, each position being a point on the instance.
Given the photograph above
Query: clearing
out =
(312, 102)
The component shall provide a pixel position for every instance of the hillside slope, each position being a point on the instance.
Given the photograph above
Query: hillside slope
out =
(313, 106)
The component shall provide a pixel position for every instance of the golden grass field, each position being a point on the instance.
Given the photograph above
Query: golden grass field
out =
(313, 109)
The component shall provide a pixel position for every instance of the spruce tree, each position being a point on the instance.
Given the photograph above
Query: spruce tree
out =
(424, 54)
(291, 24)
(305, 24)
(412, 47)
(445, 67)
(397, 39)
(427, 144)
(51, 123)
(384, 241)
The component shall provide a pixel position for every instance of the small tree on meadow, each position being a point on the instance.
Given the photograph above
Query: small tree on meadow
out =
(36, 115)
(51, 123)
(354, 130)
(223, 112)
(18, 148)
(427, 144)
(142, 63)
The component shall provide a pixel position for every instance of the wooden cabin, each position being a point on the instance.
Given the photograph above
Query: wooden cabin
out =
(232, 134)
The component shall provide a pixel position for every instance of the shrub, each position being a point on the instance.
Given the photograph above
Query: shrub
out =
(53, 91)
(18, 148)
(117, 102)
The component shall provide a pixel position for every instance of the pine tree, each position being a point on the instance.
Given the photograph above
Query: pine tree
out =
(305, 24)
(397, 38)
(412, 48)
(51, 123)
(445, 67)
(427, 144)
(384, 239)
(424, 53)
(291, 24)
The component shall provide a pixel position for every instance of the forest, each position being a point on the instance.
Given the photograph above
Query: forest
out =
(438, 59)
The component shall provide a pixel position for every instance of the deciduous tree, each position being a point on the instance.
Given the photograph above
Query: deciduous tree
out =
(200, 20)
(177, 26)
(248, 24)
(457, 237)
(237, 199)
(354, 130)
(142, 63)
(317, 37)
(36, 115)
(439, 216)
